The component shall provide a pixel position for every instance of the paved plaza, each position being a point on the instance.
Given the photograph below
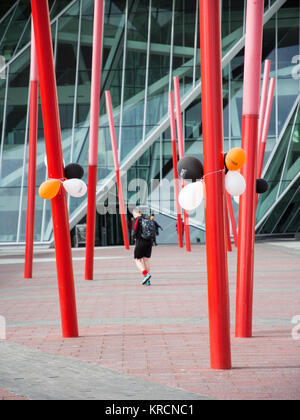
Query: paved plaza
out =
(140, 343)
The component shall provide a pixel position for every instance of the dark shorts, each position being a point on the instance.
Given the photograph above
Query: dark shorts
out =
(143, 249)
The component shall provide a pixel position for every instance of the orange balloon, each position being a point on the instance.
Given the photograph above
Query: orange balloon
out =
(235, 159)
(49, 189)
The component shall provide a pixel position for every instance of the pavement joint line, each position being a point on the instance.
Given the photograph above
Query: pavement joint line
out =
(153, 291)
(14, 261)
(141, 321)
(24, 369)
(7, 251)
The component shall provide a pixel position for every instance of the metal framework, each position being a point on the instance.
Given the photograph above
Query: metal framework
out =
(149, 137)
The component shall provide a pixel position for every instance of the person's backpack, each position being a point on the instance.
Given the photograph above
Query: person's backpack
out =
(148, 229)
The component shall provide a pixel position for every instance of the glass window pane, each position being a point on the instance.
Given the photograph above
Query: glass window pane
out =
(17, 21)
(288, 48)
(232, 23)
(274, 173)
(292, 161)
(159, 63)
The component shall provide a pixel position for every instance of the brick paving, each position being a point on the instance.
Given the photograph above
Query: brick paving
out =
(158, 334)
(5, 395)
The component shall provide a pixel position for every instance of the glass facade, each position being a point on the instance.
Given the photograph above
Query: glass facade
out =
(146, 43)
(277, 213)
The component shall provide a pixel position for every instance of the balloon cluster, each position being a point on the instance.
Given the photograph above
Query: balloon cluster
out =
(190, 168)
(191, 196)
(234, 160)
(234, 182)
(72, 183)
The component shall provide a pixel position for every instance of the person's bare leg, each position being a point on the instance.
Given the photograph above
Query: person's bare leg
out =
(147, 264)
(140, 264)
(147, 268)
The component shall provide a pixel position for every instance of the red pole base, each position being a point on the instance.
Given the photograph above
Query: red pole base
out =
(122, 211)
(186, 227)
(228, 238)
(217, 274)
(125, 231)
(246, 232)
(232, 219)
(179, 231)
(90, 223)
(187, 232)
(64, 266)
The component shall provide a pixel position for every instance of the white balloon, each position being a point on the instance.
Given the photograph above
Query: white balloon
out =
(235, 183)
(191, 196)
(75, 187)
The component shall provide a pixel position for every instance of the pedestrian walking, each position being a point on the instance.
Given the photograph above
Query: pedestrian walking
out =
(143, 234)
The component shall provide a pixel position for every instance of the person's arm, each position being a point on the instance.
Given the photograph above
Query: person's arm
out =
(135, 228)
(159, 226)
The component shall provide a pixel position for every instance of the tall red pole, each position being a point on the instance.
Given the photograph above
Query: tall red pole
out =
(232, 218)
(175, 171)
(247, 207)
(181, 155)
(229, 247)
(50, 111)
(33, 128)
(263, 100)
(213, 159)
(263, 139)
(94, 136)
(117, 169)
(265, 128)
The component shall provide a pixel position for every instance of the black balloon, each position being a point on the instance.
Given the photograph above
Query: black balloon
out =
(261, 186)
(74, 170)
(189, 167)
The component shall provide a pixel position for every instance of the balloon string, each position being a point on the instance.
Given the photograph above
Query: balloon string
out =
(213, 173)
(62, 180)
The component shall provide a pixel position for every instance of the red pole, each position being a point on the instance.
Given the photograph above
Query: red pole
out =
(33, 127)
(175, 171)
(94, 136)
(117, 168)
(213, 156)
(263, 139)
(181, 155)
(232, 218)
(247, 207)
(228, 238)
(265, 129)
(61, 229)
(263, 100)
